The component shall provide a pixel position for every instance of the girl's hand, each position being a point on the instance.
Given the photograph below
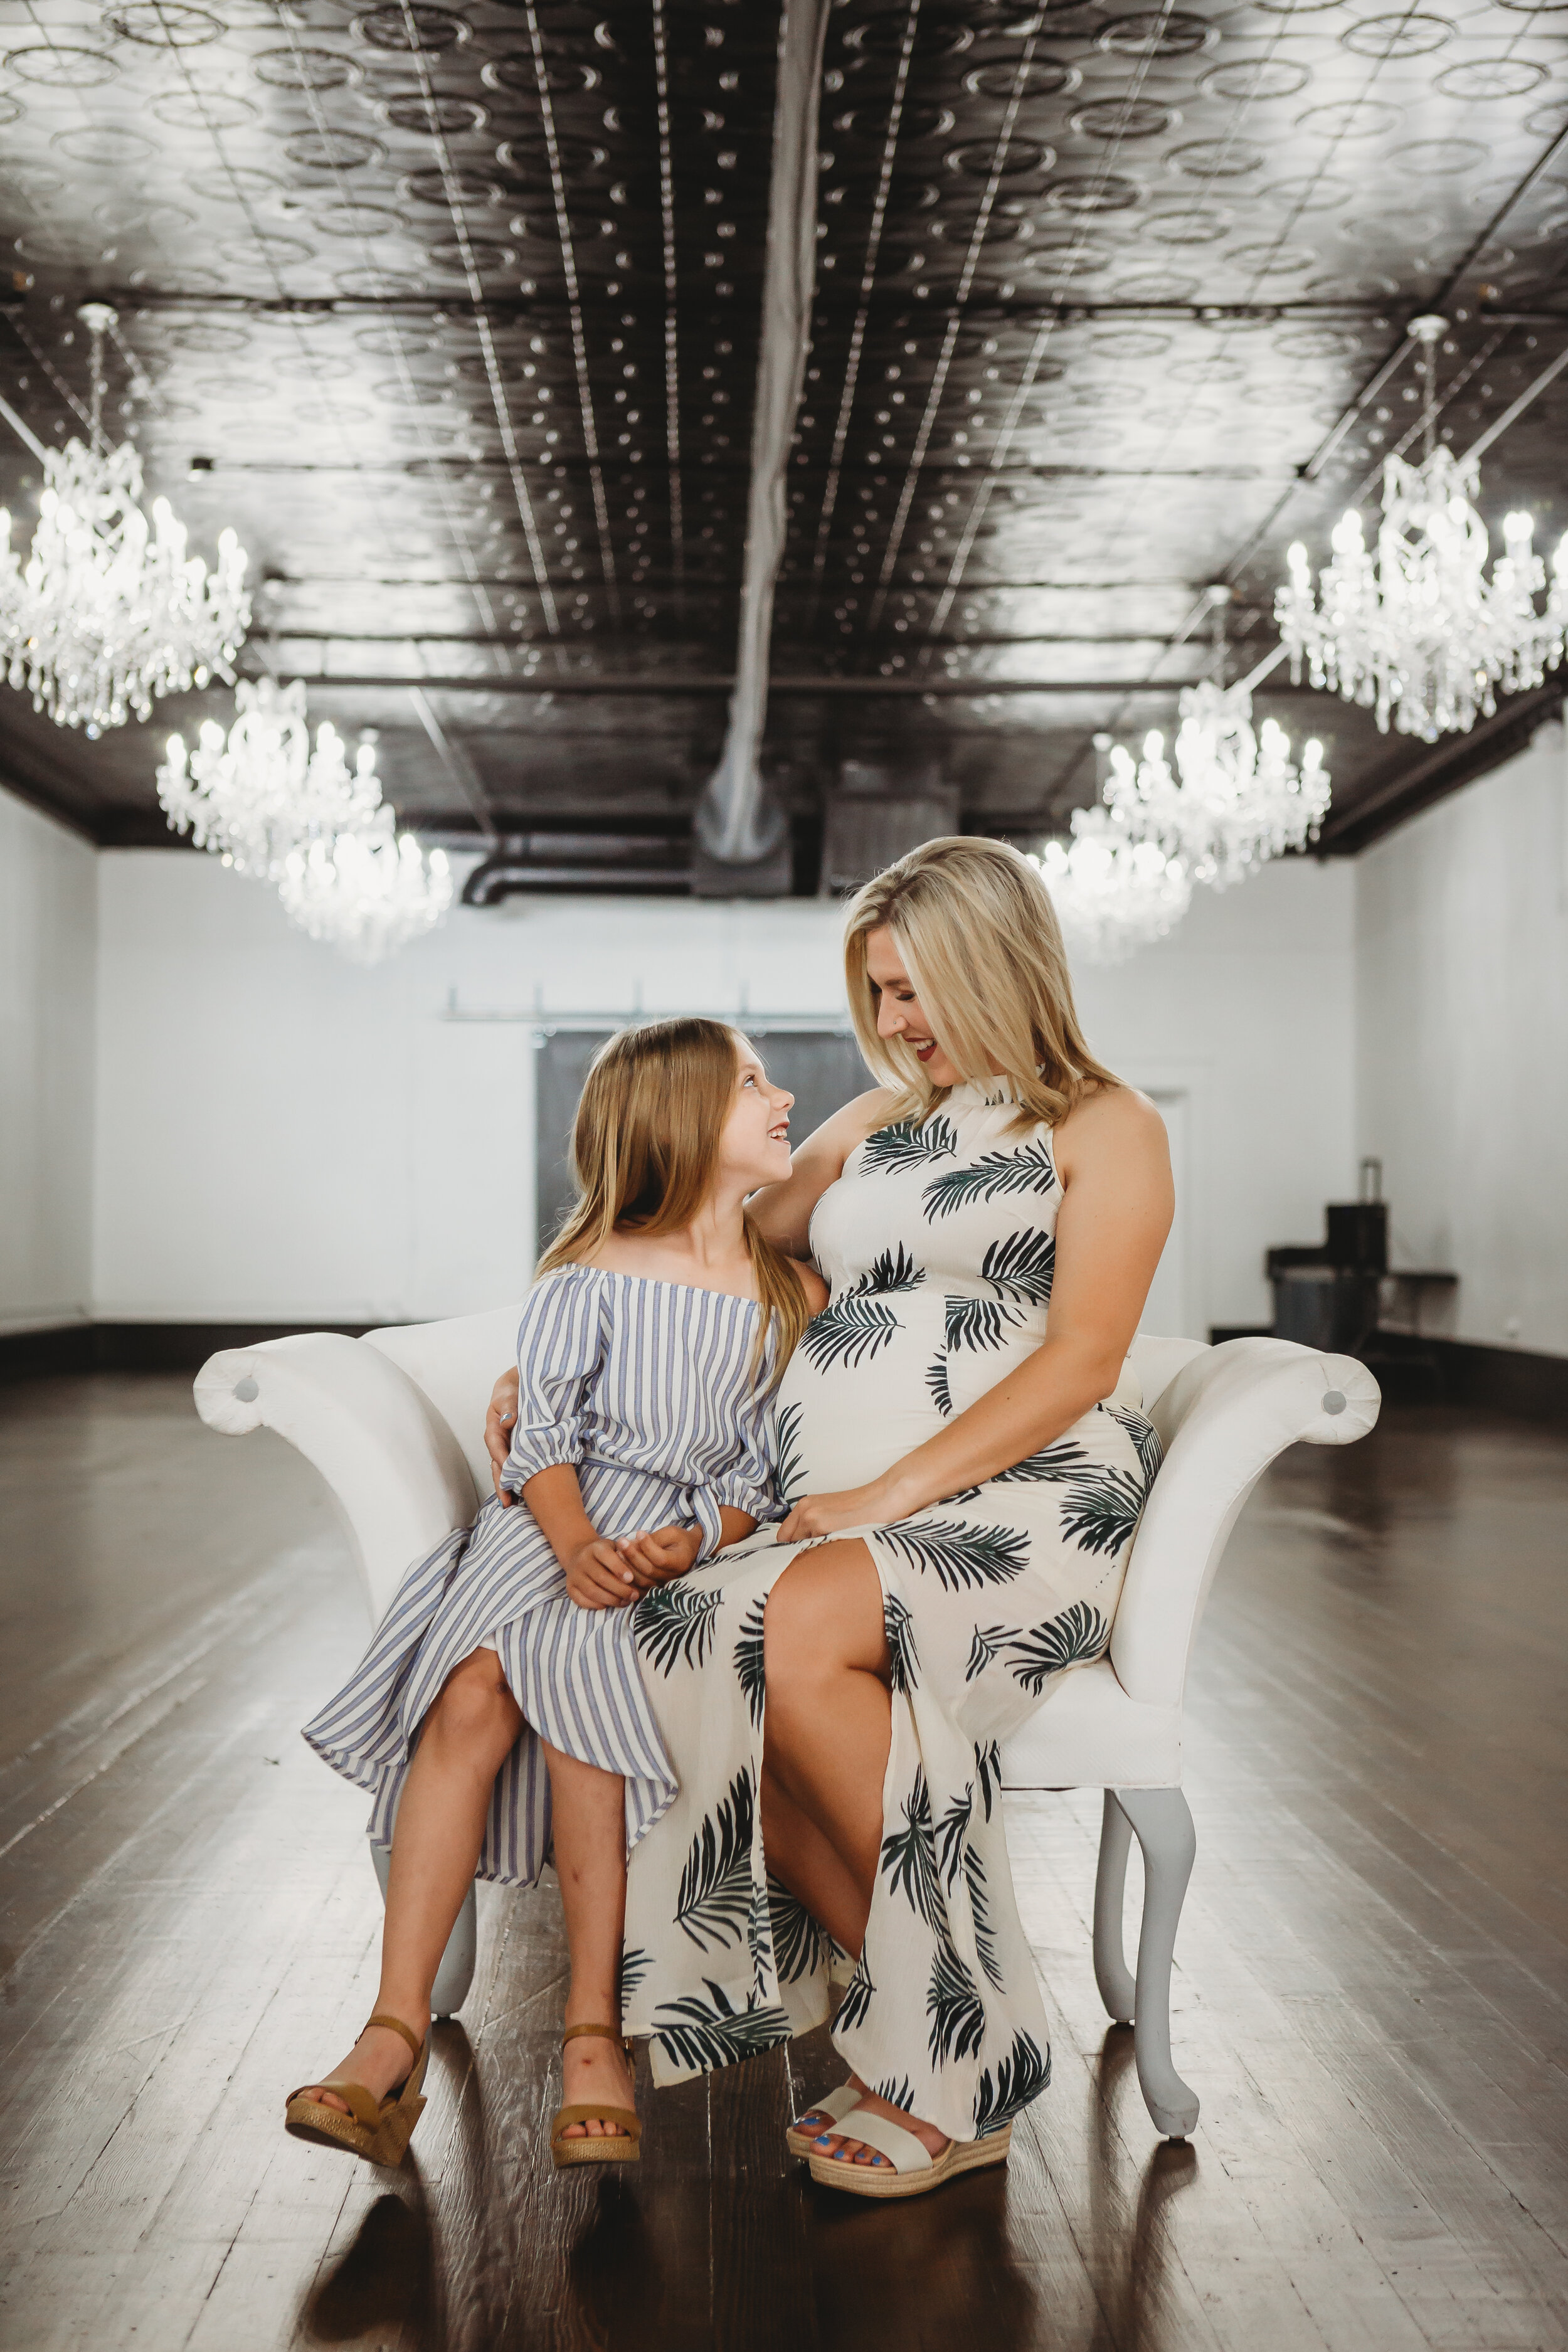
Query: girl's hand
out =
(597, 1577)
(655, 1559)
(860, 1506)
(499, 1422)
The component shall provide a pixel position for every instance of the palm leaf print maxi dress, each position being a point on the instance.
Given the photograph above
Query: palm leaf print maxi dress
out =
(939, 1243)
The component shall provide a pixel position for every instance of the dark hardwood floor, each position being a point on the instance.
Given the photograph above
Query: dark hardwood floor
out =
(1371, 1992)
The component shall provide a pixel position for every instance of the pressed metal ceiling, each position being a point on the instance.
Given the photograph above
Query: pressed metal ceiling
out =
(453, 315)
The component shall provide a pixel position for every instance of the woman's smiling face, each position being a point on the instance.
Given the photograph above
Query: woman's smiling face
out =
(899, 1010)
(754, 1147)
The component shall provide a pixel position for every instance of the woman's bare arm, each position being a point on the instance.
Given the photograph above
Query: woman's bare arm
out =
(1115, 1164)
(815, 1289)
(499, 1421)
(783, 1210)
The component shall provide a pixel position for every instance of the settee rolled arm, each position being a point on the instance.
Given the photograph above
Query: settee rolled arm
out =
(1222, 1420)
(394, 1466)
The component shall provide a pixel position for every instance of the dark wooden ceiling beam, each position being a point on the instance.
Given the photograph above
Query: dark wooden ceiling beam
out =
(534, 309)
(943, 689)
(1405, 787)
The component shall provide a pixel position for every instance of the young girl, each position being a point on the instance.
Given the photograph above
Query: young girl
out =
(656, 1328)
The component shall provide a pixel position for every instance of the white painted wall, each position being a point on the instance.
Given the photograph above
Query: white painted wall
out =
(47, 923)
(1462, 1078)
(282, 1136)
(1241, 1025)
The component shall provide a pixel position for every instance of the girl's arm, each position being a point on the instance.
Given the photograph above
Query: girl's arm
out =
(670, 1551)
(783, 1211)
(1114, 1164)
(596, 1576)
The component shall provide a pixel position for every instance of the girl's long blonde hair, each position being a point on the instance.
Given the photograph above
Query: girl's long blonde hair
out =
(981, 943)
(645, 1147)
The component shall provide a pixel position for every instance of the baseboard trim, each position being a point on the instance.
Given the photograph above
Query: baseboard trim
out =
(1417, 1371)
(1453, 1372)
(1499, 1380)
(140, 1346)
(40, 1355)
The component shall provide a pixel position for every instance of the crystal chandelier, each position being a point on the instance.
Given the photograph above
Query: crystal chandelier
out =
(108, 610)
(366, 892)
(1234, 799)
(1112, 894)
(262, 791)
(1418, 630)
(273, 805)
(1239, 800)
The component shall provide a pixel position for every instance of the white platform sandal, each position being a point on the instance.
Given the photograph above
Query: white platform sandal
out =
(911, 2170)
(834, 2107)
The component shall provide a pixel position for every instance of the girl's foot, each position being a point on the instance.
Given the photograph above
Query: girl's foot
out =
(379, 2061)
(843, 2147)
(592, 2068)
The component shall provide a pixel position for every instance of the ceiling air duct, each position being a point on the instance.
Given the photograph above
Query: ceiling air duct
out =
(742, 839)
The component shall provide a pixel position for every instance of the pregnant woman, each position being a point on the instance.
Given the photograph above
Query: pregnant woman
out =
(966, 1461)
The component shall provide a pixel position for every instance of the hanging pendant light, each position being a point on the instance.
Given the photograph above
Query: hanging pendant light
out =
(263, 791)
(273, 805)
(1112, 895)
(1234, 798)
(367, 893)
(1416, 632)
(108, 610)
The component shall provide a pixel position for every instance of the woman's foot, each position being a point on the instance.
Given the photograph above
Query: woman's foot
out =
(817, 2120)
(843, 2147)
(379, 2061)
(592, 2068)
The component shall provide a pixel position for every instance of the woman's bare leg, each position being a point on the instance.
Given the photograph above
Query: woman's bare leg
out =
(464, 1740)
(828, 1723)
(829, 1729)
(801, 1858)
(589, 1810)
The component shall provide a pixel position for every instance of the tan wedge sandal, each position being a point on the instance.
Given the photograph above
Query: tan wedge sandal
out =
(377, 2129)
(621, 2148)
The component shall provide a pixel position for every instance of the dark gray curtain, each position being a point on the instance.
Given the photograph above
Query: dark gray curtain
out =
(821, 1069)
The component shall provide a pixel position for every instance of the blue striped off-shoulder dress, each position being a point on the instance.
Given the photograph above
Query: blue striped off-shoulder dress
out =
(649, 1391)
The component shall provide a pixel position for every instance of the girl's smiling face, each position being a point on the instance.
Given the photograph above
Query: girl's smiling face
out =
(899, 1009)
(753, 1149)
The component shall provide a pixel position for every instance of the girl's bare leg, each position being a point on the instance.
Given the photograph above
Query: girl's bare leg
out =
(464, 1740)
(589, 1810)
(829, 1729)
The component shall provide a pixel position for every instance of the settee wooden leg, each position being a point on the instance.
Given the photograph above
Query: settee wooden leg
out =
(1111, 1973)
(1164, 1826)
(456, 1973)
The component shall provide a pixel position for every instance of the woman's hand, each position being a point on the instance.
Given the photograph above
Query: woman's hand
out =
(499, 1422)
(655, 1559)
(597, 1577)
(878, 1505)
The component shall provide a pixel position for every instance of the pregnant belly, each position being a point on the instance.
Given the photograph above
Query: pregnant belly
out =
(875, 1378)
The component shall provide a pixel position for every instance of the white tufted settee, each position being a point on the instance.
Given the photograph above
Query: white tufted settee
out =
(395, 1423)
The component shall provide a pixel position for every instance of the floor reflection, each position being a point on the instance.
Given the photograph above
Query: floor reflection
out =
(1130, 2240)
(522, 2257)
(386, 2280)
(937, 2271)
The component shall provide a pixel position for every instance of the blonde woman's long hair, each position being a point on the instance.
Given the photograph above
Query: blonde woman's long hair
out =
(645, 1147)
(981, 943)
